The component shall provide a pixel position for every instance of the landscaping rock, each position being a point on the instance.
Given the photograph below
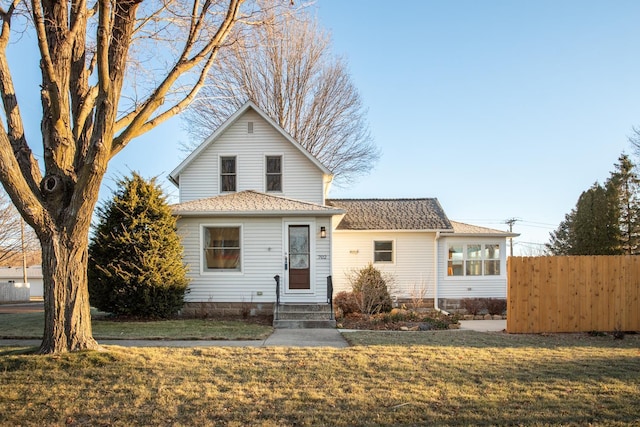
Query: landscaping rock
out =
(454, 326)
(487, 317)
(497, 317)
(404, 328)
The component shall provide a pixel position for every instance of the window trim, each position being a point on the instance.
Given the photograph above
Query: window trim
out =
(392, 251)
(266, 174)
(483, 259)
(220, 173)
(204, 270)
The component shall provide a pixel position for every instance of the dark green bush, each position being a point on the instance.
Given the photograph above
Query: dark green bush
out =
(135, 257)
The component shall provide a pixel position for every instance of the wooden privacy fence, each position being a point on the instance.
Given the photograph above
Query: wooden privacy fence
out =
(573, 294)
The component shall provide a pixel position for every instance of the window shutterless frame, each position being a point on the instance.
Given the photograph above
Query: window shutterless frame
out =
(221, 248)
(383, 251)
(473, 259)
(273, 173)
(228, 174)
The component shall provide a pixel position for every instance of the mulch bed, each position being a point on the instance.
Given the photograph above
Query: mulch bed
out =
(383, 323)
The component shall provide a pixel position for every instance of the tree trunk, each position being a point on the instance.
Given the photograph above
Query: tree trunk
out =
(67, 325)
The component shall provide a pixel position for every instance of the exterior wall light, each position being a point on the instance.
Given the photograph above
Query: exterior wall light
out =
(323, 232)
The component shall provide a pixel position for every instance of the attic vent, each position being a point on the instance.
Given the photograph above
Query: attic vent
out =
(249, 127)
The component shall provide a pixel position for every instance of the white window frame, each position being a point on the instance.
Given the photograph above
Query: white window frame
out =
(266, 190)
(220, 157)
(482, 259)
(203, 257)
(393, 251)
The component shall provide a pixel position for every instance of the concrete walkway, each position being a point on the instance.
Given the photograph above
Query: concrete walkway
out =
(483, 325)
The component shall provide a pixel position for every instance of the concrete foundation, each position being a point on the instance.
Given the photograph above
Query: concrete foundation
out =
(226, 309)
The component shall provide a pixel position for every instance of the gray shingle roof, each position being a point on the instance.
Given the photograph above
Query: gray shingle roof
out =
(250, 203)
(391, 214)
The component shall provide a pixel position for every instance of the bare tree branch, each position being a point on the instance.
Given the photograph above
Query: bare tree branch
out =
(92, 106)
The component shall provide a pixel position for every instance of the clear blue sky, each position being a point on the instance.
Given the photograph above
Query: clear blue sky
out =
(499, 109)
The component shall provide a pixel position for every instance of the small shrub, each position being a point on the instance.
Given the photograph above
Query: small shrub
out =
(473, 305)
(496, 306)
(346, 302)
(371, 291)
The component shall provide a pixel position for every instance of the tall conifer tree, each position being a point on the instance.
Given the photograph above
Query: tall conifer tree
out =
(135, 256)
(624, 184)
(595, 225)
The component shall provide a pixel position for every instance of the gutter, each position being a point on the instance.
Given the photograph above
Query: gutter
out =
(435, 282)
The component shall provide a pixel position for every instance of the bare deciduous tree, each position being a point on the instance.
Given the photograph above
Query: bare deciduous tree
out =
(92, 107)
(14, 236)
(287, 69)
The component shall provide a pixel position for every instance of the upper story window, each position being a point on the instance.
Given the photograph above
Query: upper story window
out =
(477, 259)
(383, 251)
(228, 173)
(274, 173)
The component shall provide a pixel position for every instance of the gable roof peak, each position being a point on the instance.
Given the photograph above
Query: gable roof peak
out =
(174, 176)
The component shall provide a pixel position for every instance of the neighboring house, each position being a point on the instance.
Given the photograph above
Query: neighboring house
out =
(16, 275)
(253, 208)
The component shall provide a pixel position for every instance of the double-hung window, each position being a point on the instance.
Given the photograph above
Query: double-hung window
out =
(222, 249)
(227, 173)
(474, 259)
(274, 173)
(383, 251)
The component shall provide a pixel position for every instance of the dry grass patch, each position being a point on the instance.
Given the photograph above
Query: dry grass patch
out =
(31, 325)
(444, 378)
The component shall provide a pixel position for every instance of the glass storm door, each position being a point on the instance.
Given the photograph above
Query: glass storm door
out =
(299, 257)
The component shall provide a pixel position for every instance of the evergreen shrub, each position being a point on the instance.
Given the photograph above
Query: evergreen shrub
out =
(135, 256)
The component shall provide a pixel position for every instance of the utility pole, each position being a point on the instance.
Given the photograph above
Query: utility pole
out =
(24, 253)
(510, 222)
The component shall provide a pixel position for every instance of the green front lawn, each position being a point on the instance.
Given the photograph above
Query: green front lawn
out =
(386, 378)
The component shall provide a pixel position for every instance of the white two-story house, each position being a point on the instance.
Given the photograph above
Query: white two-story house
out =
(257, 228)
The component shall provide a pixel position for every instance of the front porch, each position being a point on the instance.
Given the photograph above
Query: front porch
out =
(303, 314)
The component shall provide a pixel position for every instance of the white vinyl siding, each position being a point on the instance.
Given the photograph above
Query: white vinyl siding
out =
(478, 286)
(413, 264)
(262, 258)
(302, 180)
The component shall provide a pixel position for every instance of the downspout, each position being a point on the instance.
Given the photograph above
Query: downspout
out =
(436, 275)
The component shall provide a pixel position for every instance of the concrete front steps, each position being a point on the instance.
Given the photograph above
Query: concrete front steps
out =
(303, 316)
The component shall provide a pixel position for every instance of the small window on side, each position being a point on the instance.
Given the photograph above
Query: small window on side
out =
(383, 251)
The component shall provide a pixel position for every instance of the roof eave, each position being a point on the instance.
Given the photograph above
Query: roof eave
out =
(395, 230)
(256, 213)
(453, 234)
